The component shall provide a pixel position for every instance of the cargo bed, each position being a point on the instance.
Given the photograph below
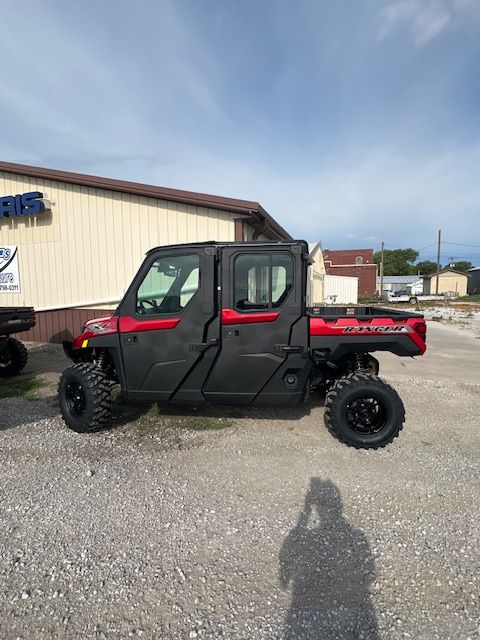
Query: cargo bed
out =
(16, 319)
(360, 312)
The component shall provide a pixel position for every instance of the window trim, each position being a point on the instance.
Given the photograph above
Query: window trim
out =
(269, 307)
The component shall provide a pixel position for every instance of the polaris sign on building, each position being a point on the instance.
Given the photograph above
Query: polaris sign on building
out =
(28, 204)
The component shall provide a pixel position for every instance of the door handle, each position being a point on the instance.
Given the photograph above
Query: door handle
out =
(203, 346)
(130, 339)
(289, 348)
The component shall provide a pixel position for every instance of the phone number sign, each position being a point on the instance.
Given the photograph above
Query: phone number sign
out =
(9, 274)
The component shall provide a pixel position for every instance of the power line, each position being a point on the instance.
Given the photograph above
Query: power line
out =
(433, 244)
(465, 256)
(462, 244)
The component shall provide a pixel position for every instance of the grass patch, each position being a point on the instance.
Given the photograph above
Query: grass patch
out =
(202, 423)
(369, 300)
(28, 387)
(473, 298)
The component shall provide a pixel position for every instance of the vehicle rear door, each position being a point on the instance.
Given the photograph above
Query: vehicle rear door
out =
(167, 324)
(264, 329)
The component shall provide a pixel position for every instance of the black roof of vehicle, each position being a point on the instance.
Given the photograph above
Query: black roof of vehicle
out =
(215, 243)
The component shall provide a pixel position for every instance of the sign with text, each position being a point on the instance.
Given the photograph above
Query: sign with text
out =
(27, 204)
(9, 274)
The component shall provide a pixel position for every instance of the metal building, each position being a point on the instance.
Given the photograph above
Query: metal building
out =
(71, 243)
(473, 280)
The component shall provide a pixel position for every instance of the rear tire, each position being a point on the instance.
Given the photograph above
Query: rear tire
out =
(14, 359)
(85, 398)
(364, 412)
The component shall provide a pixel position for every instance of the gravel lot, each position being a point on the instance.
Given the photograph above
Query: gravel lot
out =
(245, 524)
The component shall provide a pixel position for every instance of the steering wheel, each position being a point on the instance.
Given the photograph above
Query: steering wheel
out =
(143, 311)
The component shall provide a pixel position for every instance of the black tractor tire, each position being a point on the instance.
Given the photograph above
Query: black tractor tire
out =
(14, 359)
(413, 300)
(363, 411)
(85, 397)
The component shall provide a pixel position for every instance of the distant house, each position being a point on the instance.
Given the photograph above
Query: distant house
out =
(473, 280)
(357, 263)
(450, 282)
(412, 284)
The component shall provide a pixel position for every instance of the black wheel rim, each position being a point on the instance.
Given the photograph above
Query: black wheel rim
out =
(366, 415)
(6, 359)
(75, 397)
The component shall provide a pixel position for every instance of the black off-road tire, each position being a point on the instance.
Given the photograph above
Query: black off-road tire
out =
(14, 359)
(85, 398)
(413, 300)
(351, 391)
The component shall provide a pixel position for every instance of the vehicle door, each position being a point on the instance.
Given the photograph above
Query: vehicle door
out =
(166, 318)
(263, 357)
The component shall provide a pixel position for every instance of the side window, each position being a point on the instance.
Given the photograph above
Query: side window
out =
(169, 285)
(252, 286)
(282, 278)
(262, 281)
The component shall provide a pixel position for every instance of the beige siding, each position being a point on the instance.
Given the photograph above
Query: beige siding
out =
(449, 283)
(317, 294)
(315, 284)
(90, 245)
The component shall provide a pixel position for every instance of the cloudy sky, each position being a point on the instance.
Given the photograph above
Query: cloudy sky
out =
(351, 121)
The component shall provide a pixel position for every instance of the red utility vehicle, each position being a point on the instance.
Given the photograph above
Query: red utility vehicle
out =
(227, 323)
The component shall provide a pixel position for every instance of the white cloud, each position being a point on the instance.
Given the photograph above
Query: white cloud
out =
(425, 20)
(430, 22)
(401, 197)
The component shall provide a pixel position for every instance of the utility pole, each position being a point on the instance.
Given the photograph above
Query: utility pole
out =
(438, 258)
(381, 271)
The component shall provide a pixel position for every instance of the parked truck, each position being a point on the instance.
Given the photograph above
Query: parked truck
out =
(227, 323)
(411, 298)
(13, 353)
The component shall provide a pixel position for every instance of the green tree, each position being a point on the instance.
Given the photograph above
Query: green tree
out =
(397, 262)
(461, 265)
(426, 267)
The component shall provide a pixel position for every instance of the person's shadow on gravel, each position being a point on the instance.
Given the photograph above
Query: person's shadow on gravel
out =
(329, 566)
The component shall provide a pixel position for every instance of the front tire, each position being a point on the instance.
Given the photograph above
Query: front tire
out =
(13, 359)
(364, 412)
(85, 398)
(413, 300)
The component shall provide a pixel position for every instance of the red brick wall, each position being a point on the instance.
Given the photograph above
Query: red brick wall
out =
(366, 273)
(367, 277)
(347, 256)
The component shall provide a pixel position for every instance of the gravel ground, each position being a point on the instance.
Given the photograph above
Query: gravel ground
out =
(252, 525)
(465, 316)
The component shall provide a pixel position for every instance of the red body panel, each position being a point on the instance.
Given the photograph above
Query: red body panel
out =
(230, 316)
(129, 324)
(125, 324)
(415, 328)
(97, 327)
